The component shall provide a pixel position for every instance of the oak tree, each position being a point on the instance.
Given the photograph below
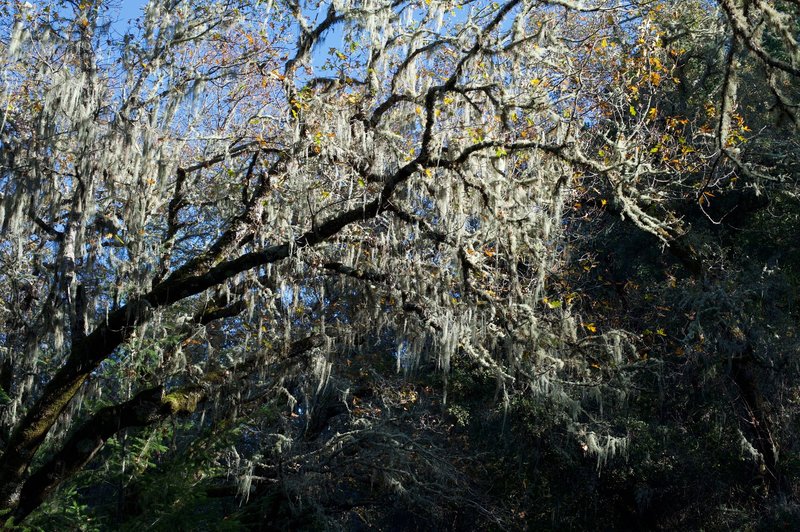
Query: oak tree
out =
(224, 205)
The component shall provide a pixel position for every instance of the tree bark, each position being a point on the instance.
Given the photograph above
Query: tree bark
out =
(146, 408)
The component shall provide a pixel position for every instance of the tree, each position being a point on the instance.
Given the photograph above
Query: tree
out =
(214, 210)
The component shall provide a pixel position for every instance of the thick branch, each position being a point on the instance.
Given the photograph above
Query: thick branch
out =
(146, 408)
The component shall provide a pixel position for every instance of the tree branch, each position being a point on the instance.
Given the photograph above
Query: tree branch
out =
(148, 407)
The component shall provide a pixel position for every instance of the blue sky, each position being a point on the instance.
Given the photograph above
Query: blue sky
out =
(127, 11)
(131, 9)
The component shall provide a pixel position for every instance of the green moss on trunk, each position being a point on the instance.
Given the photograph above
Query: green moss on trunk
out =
(183, 401)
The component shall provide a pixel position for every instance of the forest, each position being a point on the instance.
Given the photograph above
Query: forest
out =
(400, 265)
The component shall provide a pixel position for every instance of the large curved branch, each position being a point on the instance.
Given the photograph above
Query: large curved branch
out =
(145, 408)
(148, 407)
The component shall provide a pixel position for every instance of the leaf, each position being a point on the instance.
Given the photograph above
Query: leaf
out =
(552, 304)
(632, 111)
(590, 327)
(655, 78)
(4, 398)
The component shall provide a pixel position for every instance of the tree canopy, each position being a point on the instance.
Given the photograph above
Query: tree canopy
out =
(399, 264)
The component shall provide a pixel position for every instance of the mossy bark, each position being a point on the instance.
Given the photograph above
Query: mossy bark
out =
(148, 407)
